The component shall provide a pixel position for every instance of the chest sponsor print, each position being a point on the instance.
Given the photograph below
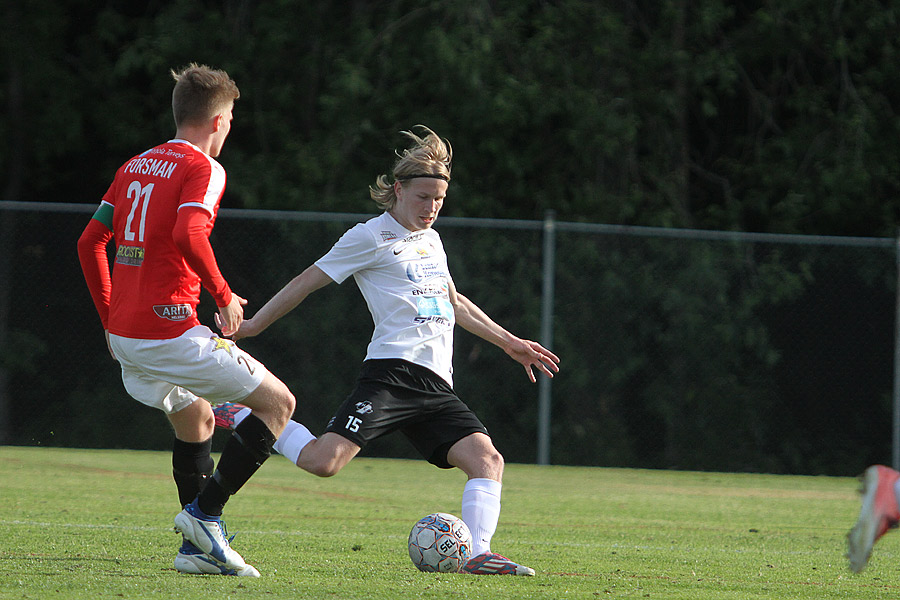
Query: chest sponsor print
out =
(129, 255)
(437, 310)
(421, 271)
(173, 312)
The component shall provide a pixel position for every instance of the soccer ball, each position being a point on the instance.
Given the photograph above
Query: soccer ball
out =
(440, 543)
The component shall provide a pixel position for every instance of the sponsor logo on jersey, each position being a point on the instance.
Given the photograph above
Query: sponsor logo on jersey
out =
(130, 255)
(223, 344)
(420, 271)
(437, 310)
(432, 319)
(173, 312)
(433, 289)
(166, 151)
(388, 235)
(422, 252)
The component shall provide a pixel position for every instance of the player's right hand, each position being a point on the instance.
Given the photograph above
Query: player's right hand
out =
(229, 317)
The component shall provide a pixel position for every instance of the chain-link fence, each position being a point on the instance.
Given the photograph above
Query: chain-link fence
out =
(690, 350)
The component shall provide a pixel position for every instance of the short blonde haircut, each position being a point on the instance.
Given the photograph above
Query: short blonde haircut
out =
(429, 156)
(201, 93)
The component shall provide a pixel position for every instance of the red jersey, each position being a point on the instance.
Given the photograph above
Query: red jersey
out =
(165, 203)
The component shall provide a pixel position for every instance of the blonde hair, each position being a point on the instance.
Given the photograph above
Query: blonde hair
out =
(201, 93)
(428, 156)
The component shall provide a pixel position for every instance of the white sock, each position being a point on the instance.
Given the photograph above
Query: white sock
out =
(481, 512)
(241, 415)
(292, 440)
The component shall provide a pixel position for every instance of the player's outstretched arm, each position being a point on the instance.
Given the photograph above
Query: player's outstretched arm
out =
(295, 292)
(529, 354)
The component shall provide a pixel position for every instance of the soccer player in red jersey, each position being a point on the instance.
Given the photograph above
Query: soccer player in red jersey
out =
(160, 210)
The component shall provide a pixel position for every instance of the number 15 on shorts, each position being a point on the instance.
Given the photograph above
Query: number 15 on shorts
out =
(353, 423)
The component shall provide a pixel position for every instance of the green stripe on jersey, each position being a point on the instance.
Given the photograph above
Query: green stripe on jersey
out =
(104, 214)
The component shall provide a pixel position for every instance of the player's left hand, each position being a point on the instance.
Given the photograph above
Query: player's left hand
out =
(532, 356)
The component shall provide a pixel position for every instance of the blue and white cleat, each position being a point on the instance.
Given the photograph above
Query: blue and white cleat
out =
(193, 560)
(208, 534)
(226, 413)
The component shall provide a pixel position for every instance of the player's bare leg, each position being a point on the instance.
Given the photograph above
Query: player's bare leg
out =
(476, 456)
(194, 423)
(272, 403)
(327, 455)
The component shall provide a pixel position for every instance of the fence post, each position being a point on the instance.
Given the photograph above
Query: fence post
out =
(7, 231)
(548, 272)
(895, 446)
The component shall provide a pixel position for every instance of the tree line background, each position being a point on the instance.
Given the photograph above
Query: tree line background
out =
(745, 116)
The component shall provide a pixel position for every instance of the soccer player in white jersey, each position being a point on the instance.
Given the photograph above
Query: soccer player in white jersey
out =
(406, 384)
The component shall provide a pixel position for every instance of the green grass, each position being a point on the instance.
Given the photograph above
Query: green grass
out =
(89, 524)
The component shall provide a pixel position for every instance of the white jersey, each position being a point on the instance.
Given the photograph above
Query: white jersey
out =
(405, 280)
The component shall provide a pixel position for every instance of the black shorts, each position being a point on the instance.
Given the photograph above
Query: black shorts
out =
(392, 395)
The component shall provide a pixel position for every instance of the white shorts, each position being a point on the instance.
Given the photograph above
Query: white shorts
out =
(171, 374)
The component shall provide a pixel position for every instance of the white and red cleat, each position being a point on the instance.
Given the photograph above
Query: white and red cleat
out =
(879, 513)
(490, 563)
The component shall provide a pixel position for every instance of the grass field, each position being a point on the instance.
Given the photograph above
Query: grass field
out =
(96, 524)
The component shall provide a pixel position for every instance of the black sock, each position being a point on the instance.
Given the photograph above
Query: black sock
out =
(245, 451)
(191, 467)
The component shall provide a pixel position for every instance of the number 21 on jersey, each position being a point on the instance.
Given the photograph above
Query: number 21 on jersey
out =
(141, 196)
